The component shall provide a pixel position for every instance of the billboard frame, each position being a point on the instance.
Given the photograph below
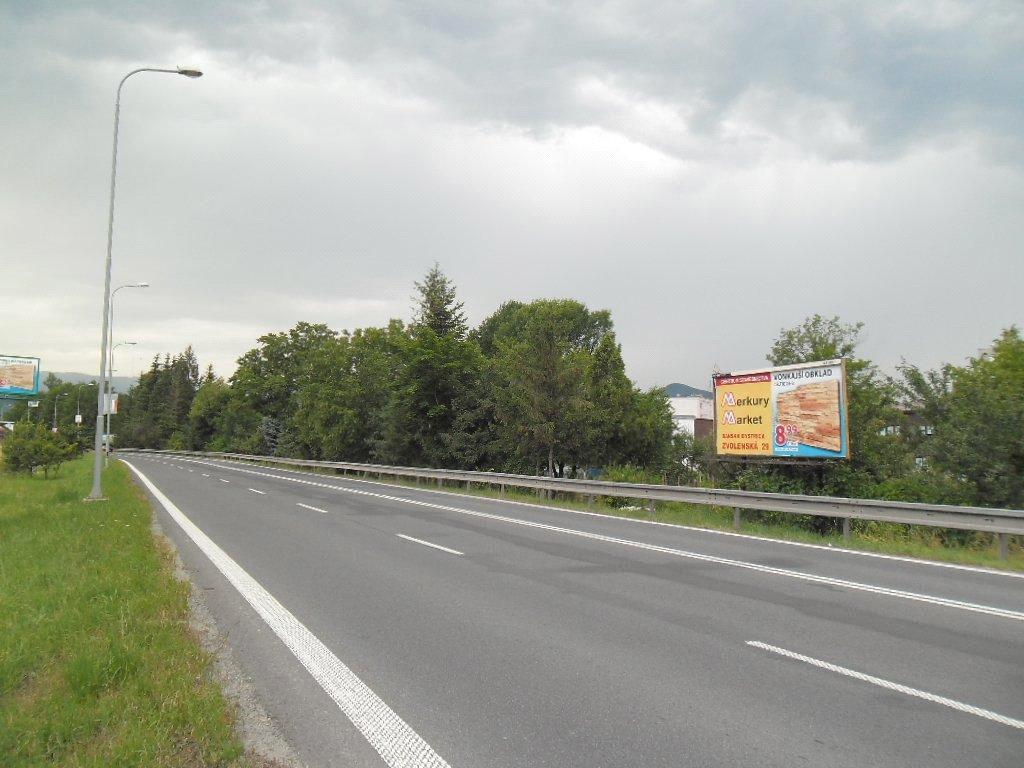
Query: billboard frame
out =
(18, 391)
(757, 458)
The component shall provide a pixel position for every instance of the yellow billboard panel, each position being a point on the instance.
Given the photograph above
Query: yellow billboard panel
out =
(743, 410)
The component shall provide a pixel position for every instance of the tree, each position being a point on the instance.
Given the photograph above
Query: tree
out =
(816, 338)
(543, 351)
(340, 405)
(436, 307)
(269, 375)
(206, 416)
(978, 421)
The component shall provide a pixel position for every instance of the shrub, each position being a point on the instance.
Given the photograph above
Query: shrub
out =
(32, 446)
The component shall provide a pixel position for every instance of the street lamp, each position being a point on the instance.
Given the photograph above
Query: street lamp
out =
(111, 371)
(110, 341)
(97, 463)
(56, 398)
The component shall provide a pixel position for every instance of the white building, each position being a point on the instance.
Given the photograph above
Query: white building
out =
(694, 414)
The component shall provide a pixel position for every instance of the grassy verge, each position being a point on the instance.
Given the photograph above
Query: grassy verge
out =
(97, 663)
(868, 536)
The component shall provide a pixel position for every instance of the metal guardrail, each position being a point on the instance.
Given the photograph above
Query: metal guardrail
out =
(1004, 522)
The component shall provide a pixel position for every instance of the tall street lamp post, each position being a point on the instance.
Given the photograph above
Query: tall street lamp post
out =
(97, 464)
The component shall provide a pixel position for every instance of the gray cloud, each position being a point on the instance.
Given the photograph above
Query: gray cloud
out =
(710, 172)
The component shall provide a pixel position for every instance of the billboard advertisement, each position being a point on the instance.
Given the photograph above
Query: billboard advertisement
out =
(794, 410)
(19, 375)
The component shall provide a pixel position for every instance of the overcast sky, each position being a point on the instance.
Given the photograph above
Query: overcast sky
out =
(709, 171)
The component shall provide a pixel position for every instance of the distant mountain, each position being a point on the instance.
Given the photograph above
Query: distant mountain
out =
(119, 383)
(685, 390)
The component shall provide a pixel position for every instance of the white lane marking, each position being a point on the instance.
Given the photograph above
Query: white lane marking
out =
(205, 475)
(315, 509)
(394, 739)
(945, 602)
(261, 493)
(696, 529)
(899, 688)
(428, 544)
(191, 470)
(223, 480)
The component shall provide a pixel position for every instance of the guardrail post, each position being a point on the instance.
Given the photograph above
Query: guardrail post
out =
(846, 529)
(736, 520)
(1004, 546)
(439, 482)
(650, 507)
(590, 501)
(501, 491)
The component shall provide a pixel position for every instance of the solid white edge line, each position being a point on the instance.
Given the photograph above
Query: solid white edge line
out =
(946, 602)
(261, 493)
(394, 739)
(679, 526)
(307, 506)
(428, 544)
(888, 684)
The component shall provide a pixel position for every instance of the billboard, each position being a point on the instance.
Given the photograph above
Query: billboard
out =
(19, 375)
(794, 410)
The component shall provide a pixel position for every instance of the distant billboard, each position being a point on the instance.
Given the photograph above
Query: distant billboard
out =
(19, 375)
(794, 410)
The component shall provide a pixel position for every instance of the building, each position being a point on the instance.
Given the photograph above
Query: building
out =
(693, 414)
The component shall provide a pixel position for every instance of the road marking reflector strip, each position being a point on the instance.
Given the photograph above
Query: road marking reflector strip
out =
(899, 688)
(315, 509)
(261, 493)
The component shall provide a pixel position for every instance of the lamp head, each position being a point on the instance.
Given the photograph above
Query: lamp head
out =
(193, 73)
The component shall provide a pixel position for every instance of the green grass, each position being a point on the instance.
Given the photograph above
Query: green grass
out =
(97, 663)
(866, 535)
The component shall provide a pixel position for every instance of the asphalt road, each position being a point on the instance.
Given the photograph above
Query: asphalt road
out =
(434, 628)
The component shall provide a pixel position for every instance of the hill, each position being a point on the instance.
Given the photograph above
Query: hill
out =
(119, 383)
(685, 390)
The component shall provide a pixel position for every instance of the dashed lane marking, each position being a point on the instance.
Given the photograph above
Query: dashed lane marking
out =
(428, 544)
(945, 602)
(888, 684)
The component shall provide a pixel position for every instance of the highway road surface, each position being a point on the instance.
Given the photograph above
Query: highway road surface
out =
(404, 627)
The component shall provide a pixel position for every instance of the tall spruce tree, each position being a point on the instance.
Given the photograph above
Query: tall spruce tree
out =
(436, 307)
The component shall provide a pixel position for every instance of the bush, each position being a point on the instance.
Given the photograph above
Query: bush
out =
(32, 446)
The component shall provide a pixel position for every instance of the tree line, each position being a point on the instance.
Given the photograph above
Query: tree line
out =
(537, 386)
(541, 387)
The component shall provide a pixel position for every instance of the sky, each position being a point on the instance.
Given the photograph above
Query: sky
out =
(711, 172)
